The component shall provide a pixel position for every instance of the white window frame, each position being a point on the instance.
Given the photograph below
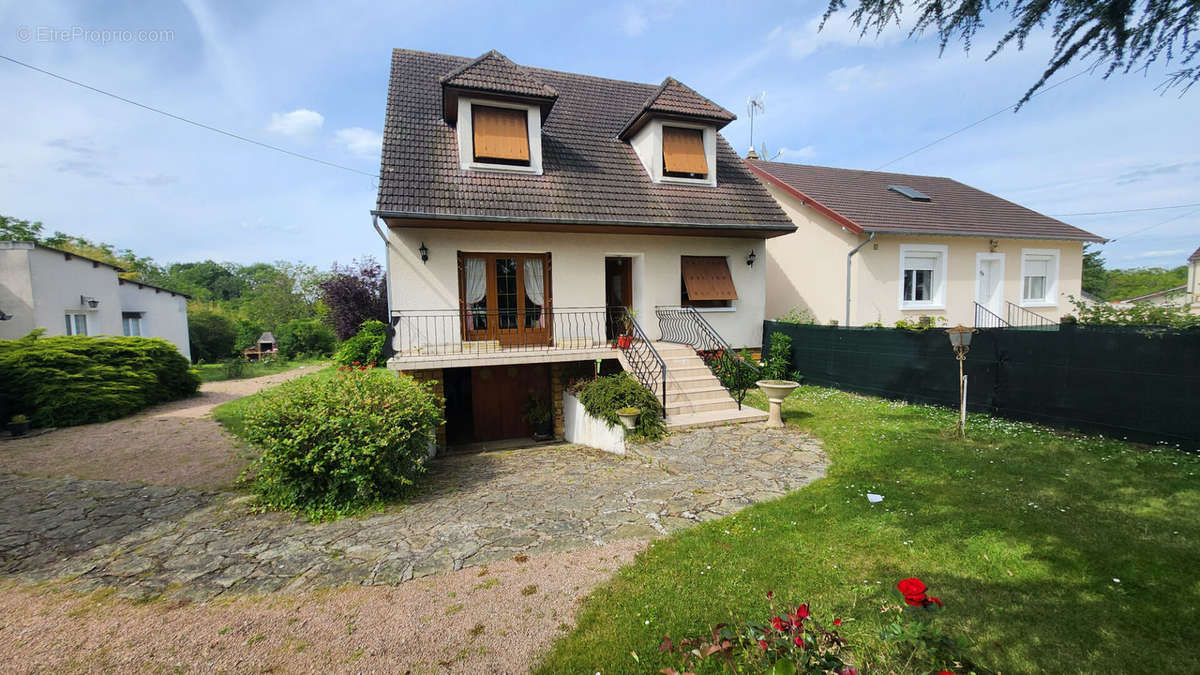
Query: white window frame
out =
(647, 143)
(942, 253)
(466, 137)
(72, 322)
(141, 324)
(1051, 292)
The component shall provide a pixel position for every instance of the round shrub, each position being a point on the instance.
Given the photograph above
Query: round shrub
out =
(336, 445)
(365, 347)
(604, 396)
(305, 337)
(212, 335)
(69, 380)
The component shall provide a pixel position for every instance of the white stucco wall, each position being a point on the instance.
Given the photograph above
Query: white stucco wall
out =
(39, 287)
(807, 270)
(581, 428)
(577, 271)
(164, 314)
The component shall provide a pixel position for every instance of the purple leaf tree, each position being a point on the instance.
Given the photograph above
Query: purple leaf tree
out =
(353, 294)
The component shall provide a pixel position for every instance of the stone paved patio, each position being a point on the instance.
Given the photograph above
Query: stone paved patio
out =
(150, 540)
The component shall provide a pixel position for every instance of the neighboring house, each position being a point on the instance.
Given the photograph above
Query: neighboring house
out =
(68, 294)
(1179, 296)
(536, 217)
(873, 247)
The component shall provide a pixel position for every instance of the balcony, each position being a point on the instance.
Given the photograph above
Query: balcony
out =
(455, 338)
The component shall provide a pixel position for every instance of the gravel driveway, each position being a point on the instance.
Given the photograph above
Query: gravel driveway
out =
(176, 443)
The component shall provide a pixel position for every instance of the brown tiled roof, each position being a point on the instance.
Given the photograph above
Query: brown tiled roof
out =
(1195, 255)
(494, 72)
(862, 200)
(590, 175)
(675, 99)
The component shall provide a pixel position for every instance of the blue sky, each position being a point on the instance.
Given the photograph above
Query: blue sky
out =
(312, 77)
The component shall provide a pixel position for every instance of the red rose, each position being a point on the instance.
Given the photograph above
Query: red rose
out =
(935, 600)
(837, 622)
(770, 594)
(945, 672)
(800, 641)
(763, 644)
(916, 600)
(911, 586)
(780, 624)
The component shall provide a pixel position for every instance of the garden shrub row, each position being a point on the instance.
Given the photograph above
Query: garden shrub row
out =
(65, 381)
(365, 347)
(332, 446)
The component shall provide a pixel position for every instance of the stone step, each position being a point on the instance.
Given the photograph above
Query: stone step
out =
(725, 403)
(696, 396)
(715, 418)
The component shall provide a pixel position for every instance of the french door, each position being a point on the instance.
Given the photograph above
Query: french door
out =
(505, 297)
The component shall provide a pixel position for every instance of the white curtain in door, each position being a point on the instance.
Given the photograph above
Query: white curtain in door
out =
(535, 286)
(475, 280)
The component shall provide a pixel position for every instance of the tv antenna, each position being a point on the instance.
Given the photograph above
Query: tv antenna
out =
(755, 106)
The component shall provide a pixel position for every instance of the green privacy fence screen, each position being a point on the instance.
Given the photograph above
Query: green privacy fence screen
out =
(1141, 383)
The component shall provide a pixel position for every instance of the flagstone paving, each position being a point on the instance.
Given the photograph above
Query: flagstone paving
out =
(146, 540)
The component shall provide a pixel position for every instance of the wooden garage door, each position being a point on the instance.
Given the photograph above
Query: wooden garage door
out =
(498, 398)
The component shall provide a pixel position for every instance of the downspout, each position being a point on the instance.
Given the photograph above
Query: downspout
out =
(848, 257)
(387, 267)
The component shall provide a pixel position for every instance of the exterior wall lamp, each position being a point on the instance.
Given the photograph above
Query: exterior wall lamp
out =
(90, 302)
(424, 251)
(751, 257)
(960, 340)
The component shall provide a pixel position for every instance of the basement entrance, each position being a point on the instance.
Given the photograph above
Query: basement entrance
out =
(488, 403)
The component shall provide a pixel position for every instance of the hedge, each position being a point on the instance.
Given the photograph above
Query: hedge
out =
(364, 348)
(65, 381)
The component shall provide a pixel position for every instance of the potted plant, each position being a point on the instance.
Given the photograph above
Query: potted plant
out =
(629, 417)
(540, 415)
(625, 340)
(18, 425)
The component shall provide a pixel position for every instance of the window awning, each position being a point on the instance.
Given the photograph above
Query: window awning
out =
(500, 133)
(707, 278)
(683, 150)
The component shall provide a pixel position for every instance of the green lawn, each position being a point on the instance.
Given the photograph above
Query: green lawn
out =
(215, 372)
(1021, 530)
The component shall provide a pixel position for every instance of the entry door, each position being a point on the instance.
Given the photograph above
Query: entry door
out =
(989, 288)
(618, 293)
(499, 395)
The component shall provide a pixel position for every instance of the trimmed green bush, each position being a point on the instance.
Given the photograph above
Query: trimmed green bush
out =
(365, 347)
(604, 396)
(335, 446)
(305, 337)
(65, 381)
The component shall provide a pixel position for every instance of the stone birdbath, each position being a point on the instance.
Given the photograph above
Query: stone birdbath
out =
(776, 391)
(629, 417)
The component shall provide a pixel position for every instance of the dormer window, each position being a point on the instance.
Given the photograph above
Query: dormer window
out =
(683, 153)
(500, 135)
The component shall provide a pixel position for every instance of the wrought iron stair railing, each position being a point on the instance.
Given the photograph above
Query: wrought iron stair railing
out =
(1022, 318)
(986, 318)
(684, 325)
(644, 361)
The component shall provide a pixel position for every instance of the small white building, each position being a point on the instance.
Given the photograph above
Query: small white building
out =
(69, 294)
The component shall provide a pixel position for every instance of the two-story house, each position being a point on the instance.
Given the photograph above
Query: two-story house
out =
(542, 225)
(874, 247)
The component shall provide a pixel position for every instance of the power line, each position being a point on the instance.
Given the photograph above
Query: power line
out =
(1151, 227)
(981, 121)
(1105, 213)
(180, 118)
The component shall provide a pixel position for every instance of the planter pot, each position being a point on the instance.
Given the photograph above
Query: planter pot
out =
(776, 391)
(629, 419)
(624, 342)
(543, 431)
(18, 428)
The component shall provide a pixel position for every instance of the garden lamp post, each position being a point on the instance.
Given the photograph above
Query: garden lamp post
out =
(960, 340)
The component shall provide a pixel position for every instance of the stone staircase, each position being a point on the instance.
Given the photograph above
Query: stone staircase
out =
(695, 398)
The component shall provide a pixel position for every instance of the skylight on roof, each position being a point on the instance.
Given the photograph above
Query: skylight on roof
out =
(913, 194)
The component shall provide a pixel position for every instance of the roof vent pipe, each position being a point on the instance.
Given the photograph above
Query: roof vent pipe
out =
(848, 257)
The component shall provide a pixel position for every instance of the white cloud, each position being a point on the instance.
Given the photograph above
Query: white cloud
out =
(299, 122)
(1163, 254)
(634, 23)
(360, 141)
(790, 155)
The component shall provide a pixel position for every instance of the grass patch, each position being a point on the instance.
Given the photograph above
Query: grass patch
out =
(216, 372)
(1053, 552)
(231, 414)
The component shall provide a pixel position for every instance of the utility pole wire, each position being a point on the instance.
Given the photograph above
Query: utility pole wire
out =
(180, 118)
(977, 123)
(1105, 213)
